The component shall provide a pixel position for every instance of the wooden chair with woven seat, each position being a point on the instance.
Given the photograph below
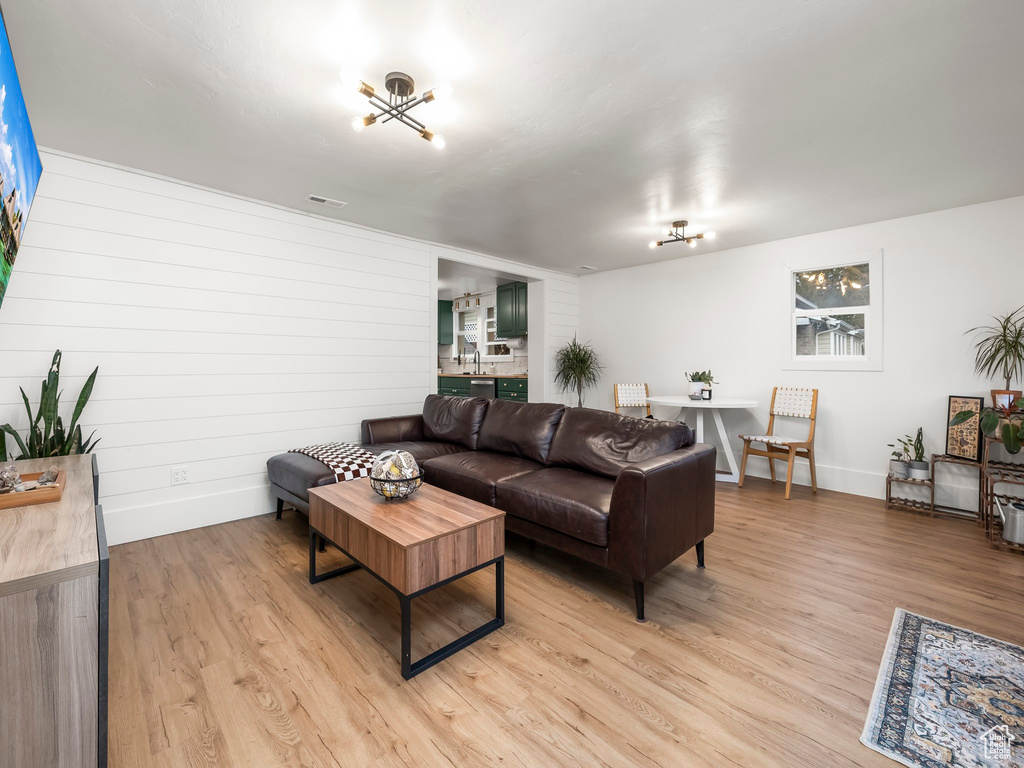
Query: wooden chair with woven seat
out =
(632, 396)
(788, 402)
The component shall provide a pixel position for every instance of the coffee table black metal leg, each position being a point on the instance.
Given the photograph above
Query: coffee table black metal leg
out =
(499, 590)
(406, 604)
(315, 540)
(411, 669)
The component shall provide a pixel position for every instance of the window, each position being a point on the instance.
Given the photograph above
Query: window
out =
(835, 314)
(475, 323)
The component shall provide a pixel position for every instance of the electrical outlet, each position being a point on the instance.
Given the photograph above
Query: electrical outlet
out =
(180, 475)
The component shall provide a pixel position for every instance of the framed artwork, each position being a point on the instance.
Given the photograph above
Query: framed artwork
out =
(964, 440)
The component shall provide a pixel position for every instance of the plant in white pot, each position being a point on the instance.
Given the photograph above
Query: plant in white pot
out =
(919, 464)
(699, 381)
(899, 464)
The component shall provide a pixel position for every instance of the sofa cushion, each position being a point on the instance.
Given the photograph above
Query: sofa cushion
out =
(297, 473)
(453, 419)
(570, 502)
(421, 450)
(474, 474)
(521, 429)
(605, 443)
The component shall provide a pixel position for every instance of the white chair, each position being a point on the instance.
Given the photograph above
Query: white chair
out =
(632, 396)
(788, 402)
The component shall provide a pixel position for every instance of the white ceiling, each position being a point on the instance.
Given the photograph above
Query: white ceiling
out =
(578, 129)
(457, 279)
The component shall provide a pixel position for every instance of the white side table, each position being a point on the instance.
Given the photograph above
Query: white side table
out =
(716, 406)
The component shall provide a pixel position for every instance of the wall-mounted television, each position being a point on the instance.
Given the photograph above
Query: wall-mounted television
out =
(20, 166)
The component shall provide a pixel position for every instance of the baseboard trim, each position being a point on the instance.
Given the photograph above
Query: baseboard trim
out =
(956, 487)
(152, 520)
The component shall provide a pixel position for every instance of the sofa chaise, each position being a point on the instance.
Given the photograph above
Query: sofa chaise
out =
(631, 495)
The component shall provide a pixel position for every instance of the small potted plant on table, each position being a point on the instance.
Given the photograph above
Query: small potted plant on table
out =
(700, 384)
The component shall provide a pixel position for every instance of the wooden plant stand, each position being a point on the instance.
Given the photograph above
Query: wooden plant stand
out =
(910, 505)
(977, 466)
(929, 507)
(1000, 473)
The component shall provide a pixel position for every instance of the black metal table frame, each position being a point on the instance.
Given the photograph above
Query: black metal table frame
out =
(410, 668)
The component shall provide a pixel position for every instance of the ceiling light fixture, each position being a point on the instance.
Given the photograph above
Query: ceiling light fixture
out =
(400, 100)
(678, 235)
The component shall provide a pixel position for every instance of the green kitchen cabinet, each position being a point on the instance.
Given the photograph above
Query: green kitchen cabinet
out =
(513, 389)
(445, 326)
(453, 385)
(512, 310)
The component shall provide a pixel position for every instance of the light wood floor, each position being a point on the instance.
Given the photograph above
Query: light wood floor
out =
(223, 654)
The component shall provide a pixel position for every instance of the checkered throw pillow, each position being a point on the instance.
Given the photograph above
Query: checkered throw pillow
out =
(347, 461)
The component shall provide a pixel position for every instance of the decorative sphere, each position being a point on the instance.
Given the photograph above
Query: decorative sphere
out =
(395, 474)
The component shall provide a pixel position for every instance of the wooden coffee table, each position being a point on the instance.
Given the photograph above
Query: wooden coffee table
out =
(413, 546)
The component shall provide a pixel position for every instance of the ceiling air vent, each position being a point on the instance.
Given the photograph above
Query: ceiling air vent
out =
(326, 201)
(586, 267)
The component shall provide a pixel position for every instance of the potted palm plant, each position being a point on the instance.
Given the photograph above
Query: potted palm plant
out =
(999, 352)
(576, 368)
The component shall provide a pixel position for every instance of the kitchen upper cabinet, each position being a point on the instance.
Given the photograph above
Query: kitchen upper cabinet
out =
(445, 328)
(512, 310)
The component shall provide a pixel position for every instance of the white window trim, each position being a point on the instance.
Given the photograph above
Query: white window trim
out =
(487, 301)
(873, 316)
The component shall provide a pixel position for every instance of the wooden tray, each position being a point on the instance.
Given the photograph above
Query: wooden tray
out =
(38, 496)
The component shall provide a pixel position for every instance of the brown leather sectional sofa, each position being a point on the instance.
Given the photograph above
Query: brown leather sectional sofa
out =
(629, 494)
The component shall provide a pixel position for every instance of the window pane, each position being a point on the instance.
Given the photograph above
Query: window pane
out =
(831, 336)
(834, 287)
(469, 332)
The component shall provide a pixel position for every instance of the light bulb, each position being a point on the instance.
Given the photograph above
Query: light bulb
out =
(358, 124)
(692, 243)
(709, 235)
(438, 141)
(652, 244)
(442, 91)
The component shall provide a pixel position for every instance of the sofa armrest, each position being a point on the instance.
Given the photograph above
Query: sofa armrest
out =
(392, 429)
(660, 509)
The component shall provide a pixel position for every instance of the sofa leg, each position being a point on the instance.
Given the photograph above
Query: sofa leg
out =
(700, 553)
(280, 508)
(638, 594)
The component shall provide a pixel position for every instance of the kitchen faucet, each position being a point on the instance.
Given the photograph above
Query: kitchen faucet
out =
(476, 360)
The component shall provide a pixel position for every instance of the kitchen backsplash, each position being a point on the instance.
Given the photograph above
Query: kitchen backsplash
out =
(518, 364)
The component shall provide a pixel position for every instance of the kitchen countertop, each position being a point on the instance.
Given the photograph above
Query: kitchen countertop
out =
(485, 375)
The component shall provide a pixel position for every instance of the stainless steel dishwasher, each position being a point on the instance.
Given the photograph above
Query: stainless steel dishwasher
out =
(482, 388)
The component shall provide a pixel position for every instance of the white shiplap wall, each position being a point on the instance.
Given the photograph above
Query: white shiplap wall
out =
(225, 331)
(561, 317)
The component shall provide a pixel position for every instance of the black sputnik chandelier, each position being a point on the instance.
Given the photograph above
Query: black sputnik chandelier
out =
(678, 235)
(400, 100)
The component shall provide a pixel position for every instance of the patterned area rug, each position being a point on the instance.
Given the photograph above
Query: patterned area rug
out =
(946, 696)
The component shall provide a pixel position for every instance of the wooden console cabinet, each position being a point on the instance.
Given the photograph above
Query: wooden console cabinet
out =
(53, 625)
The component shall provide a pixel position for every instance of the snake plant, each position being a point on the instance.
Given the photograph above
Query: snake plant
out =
(47, 435)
